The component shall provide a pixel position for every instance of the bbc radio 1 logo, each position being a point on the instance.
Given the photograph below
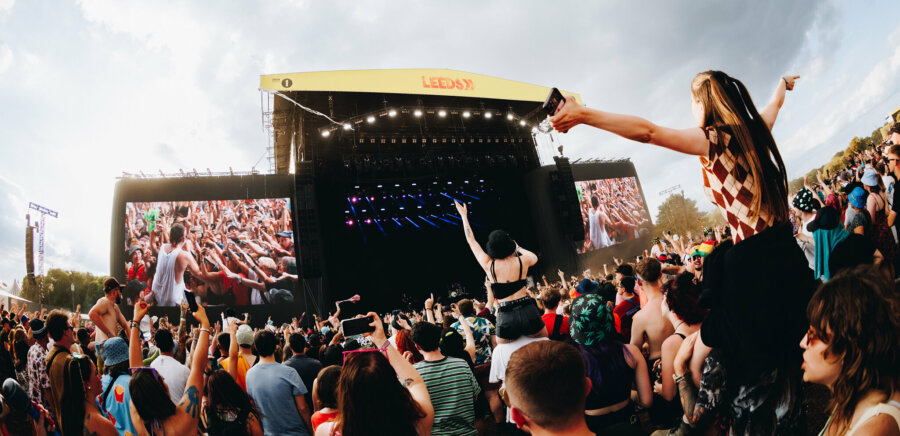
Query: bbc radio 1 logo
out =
(286, 83)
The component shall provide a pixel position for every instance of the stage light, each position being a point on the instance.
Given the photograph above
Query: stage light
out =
(417, 112)
(418, 207)
(442, 113)
(347, 126)
(392, 113)
(353, 200)
(371, 198)
(326, 133)
(349, 222)
(522, 122)
(371, 119)
(379, 186)
(414, 184)
(368, 220)
(488, 115)
(466, 114)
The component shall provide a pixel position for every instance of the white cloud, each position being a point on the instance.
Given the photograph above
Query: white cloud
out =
(6, 6)
(6, 58)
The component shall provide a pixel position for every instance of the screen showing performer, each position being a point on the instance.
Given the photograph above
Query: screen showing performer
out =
(612, 211)
(227, 252)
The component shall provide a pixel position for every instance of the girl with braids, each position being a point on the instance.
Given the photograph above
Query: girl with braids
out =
(853, 348)
(81, 415)
(756, 285)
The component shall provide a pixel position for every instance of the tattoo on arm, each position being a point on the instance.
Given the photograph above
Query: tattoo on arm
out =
(408, 382)
(692, 411)
(192, 401)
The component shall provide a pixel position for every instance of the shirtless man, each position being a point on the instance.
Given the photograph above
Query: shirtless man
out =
(168, 283)
(106, 314)
(649, 324)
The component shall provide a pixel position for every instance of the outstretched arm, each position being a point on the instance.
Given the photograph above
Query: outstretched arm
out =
(689, 141)
(479, 253)
(770, 112)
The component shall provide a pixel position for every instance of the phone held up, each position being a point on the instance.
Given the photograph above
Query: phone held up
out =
(191, 301)
(554, 100)
(357, 326)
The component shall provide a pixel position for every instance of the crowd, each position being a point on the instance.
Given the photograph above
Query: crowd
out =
(243, 252)
(717, 334)
(612, 211)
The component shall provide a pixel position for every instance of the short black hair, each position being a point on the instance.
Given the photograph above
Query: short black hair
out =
(625, 269)
(265, 343)
(466, 307)
(627, 283)
(297, 342)
(427, 336)
(176, 233)
(57, 324)
(163, 340)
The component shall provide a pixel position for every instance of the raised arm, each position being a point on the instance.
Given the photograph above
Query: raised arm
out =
(770, 112)
(479, 253)
(190, 402)
(135, 360)
(406, 373)
(689, 141)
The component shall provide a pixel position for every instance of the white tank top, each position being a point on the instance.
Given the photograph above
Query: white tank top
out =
(891, 408)
(166, 289)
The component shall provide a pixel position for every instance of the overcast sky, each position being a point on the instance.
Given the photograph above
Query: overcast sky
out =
(89, 89)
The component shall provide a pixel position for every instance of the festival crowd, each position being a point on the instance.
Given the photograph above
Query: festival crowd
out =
(243, 251)
(720, 334)
(612, 211)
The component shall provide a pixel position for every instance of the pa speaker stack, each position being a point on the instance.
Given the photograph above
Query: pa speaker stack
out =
(566, 199)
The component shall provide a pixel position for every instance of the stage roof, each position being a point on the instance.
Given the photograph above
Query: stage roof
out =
(410, 81)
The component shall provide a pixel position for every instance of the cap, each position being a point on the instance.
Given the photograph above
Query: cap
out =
(587, 286)
(244, 335)
(285, 234)
(111, 284)
(38, 328)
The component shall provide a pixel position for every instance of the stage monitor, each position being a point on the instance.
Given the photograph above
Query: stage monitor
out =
(612, 210)
(239, 234)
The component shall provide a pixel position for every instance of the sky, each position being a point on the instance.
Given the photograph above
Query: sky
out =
(90, 89)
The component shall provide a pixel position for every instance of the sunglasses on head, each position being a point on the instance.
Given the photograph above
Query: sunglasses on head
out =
(134, 370)
(347, 355)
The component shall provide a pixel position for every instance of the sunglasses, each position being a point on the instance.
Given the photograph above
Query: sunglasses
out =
(696, 257)
(134, 370)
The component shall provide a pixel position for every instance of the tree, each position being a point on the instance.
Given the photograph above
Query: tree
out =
(679, 215)
(58, 289)
(714, 218)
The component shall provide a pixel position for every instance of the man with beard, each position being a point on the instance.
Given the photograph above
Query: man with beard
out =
(106, 314)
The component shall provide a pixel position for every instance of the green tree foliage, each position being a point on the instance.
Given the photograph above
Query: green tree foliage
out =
(679, 215)
(58, 289)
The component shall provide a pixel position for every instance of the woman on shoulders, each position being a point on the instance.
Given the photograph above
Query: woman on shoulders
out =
(853, 348)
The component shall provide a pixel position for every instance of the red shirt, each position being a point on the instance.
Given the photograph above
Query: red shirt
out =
(550, 319)
(623, 314)
(241, 291)
(320, 418)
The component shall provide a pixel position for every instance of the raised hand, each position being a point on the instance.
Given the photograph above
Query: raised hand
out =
(789, 82)
(461, 208)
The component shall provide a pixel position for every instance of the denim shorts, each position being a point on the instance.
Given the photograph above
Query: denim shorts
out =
(518, 318)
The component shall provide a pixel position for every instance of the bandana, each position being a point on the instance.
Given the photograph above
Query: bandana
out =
(591, 321)
(804, 200)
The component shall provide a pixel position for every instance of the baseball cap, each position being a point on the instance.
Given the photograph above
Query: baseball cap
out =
(244, 335)
(111, 284)
(285, 234)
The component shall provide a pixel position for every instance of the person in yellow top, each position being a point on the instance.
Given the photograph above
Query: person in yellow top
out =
(239, 362)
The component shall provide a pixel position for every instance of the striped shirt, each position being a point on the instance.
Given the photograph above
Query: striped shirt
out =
(452, 388)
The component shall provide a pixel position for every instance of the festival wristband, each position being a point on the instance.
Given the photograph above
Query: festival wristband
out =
(204, 329)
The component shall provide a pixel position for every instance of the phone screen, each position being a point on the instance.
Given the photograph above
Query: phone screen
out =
(191, 301)
(357, 326)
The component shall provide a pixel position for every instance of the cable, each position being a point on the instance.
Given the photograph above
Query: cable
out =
(314, 112)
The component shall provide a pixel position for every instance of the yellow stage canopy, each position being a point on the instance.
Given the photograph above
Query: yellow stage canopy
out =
(409, 81)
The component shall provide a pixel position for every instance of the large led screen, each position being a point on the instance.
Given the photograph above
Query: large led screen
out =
(612, 211)
(227, 252)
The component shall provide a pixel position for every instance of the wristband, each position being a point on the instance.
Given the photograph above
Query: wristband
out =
(679, 378)
(204, 329)
(786, 85)
(135, 325)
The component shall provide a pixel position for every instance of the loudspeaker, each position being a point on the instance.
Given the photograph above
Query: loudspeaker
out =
(29, 253)
(566, 199)
(307, 222)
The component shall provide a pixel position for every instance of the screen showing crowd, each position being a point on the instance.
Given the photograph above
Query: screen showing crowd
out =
(612, 211)
(232, 252)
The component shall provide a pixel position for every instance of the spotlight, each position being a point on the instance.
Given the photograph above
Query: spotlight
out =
(417, 112)
(509, 116)
(368, 220)
(488, 115)
(392, 113)
(522, 122)
(349, 222)
(347, 126)
(442, 113)
(326, 133)
(466, 114)
(371, 119)
(353, 200)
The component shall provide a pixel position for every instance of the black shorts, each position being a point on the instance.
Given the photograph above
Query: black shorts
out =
(518, 318)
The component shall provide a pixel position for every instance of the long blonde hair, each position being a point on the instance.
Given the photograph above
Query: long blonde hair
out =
(727, 104)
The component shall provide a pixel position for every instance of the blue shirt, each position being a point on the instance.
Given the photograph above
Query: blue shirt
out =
(273, 387)
(118, 404)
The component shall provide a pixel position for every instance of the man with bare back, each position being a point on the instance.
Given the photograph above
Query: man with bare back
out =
(168, 283)
(106, 314)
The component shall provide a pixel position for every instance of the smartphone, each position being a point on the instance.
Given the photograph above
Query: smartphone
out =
(191, 301)
(357, 326)
(554, 101)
